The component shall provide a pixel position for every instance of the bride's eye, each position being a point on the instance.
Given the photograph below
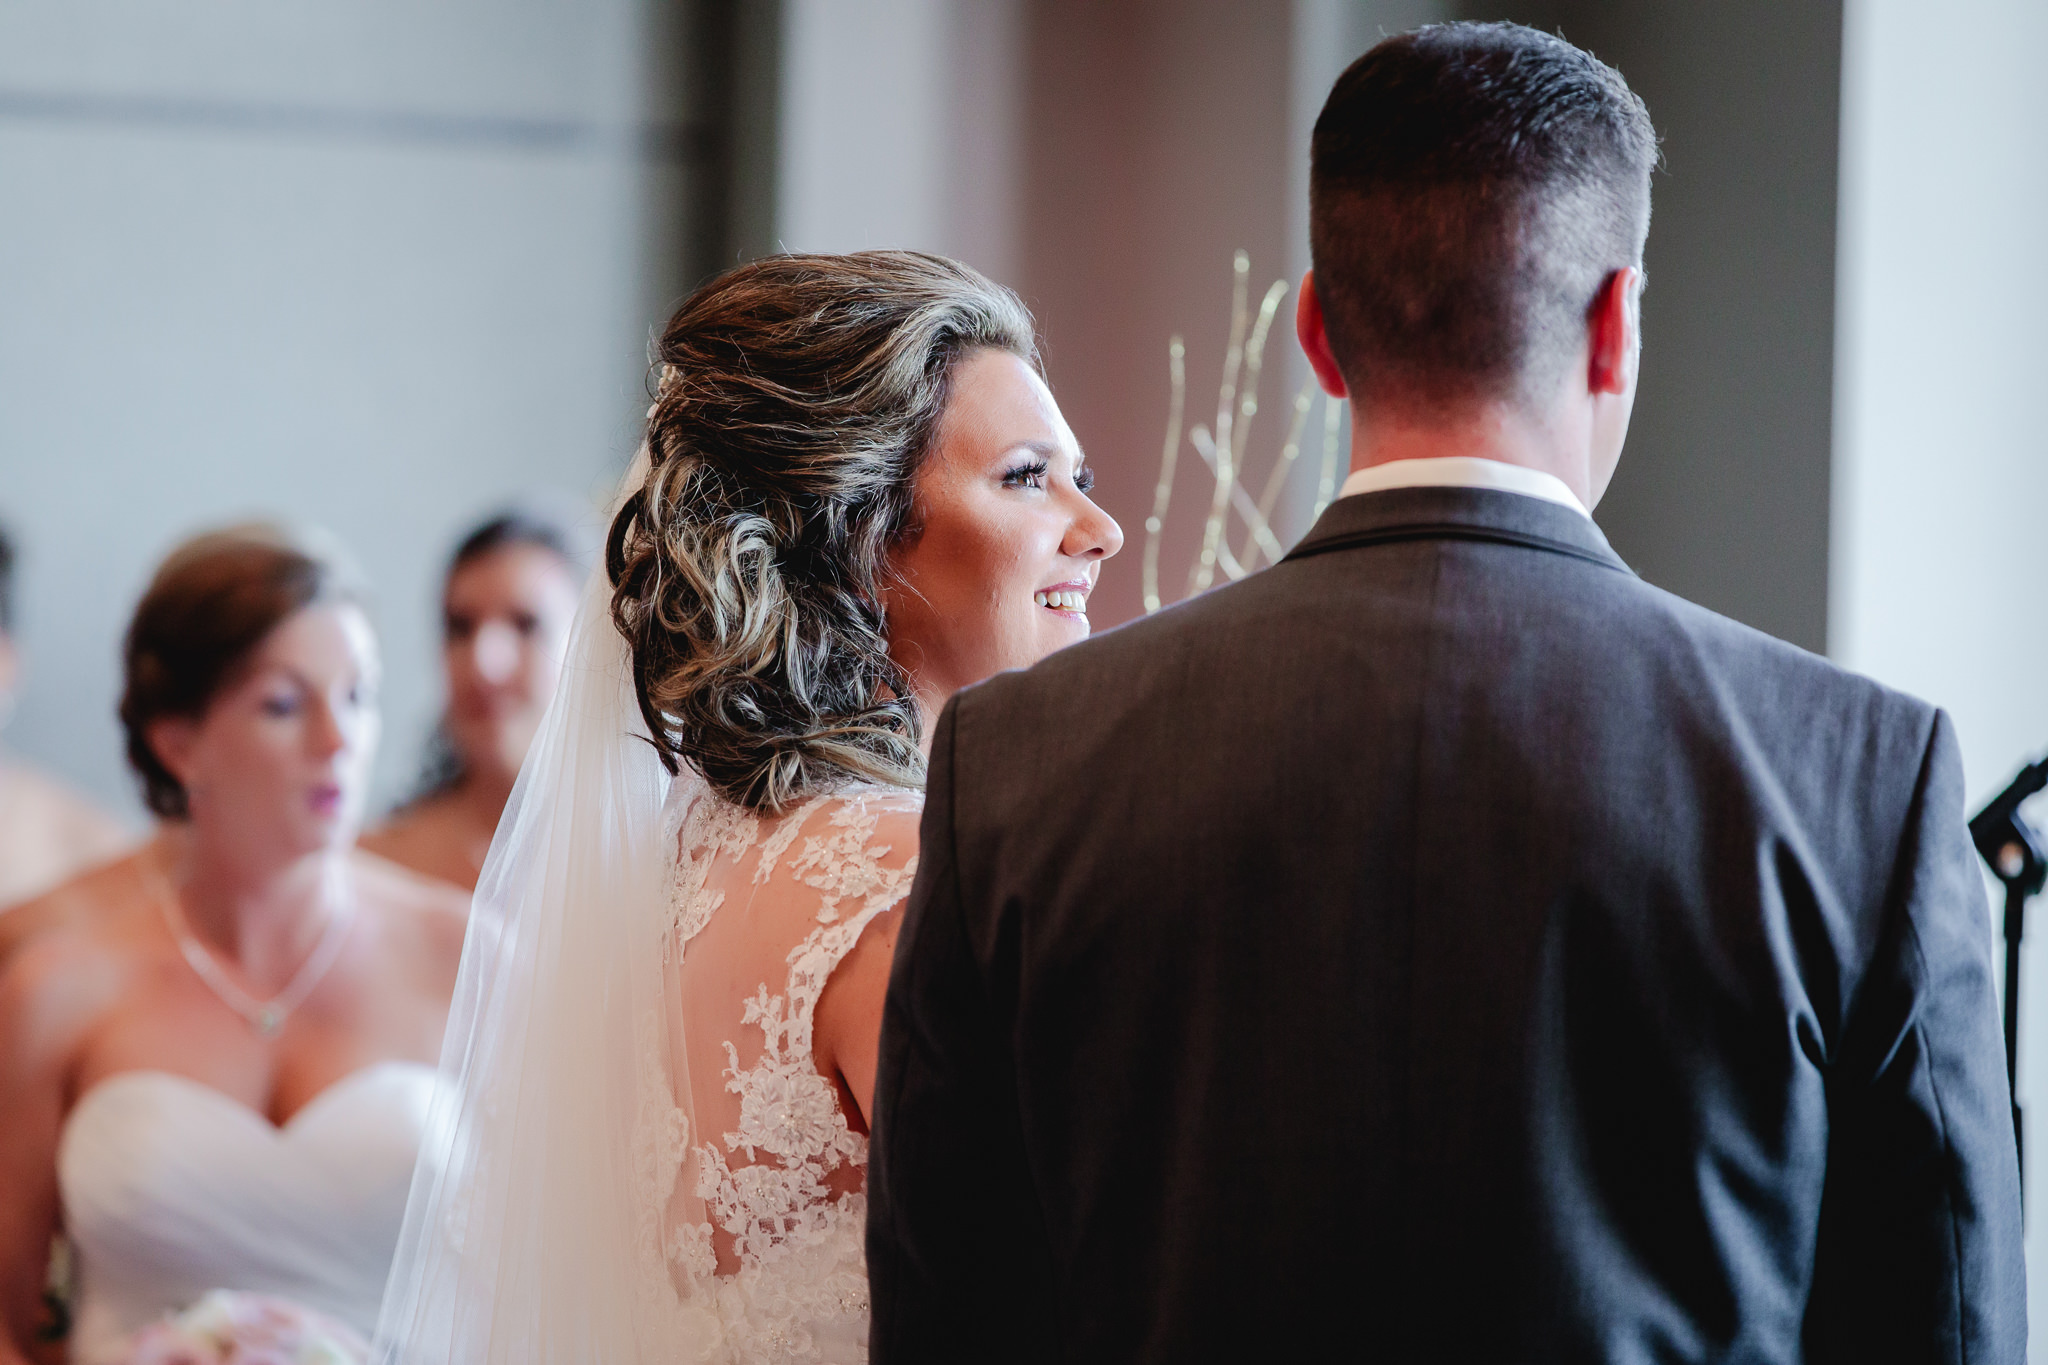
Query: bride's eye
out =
(1084, 479)
(1031, 474)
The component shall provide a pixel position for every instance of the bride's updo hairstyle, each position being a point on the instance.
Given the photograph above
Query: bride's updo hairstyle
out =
(798, 397)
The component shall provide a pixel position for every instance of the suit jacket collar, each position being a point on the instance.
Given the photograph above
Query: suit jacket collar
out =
(1405, 514)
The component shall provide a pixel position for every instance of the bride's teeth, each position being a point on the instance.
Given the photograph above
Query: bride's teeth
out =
(1061, 601)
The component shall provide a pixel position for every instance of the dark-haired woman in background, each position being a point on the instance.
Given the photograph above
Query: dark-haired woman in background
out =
(506, 605)
(215, 1058)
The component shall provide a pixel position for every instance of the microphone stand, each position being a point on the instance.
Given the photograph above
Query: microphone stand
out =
(2013, 849)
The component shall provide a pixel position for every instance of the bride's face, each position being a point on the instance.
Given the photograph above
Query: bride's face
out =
(1006, 544)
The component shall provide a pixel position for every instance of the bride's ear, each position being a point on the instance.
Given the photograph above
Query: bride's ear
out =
(1315, 338)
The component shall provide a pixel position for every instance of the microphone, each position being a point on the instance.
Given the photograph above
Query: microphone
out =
(2013, 849)
(2006, 841)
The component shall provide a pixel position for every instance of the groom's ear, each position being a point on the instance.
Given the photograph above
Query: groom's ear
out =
(1614, 333)
(1315, 338)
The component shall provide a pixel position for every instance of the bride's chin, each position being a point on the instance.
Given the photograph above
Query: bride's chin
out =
(1066, 628)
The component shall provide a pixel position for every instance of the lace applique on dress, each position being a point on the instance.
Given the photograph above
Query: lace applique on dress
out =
(709, 828)
(780, 1182)
(783, 836)
(847, 863)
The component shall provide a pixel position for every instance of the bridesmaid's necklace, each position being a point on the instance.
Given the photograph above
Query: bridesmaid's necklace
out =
(266, 1017)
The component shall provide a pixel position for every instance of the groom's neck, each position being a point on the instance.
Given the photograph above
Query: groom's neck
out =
(1508, 433)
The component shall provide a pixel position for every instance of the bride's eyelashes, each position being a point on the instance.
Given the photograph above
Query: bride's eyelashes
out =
(1033, 473)
(1027, 474)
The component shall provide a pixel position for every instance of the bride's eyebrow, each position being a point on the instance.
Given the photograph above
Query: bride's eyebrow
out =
(1039, 450)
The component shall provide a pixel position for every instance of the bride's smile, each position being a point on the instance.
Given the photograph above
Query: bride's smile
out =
(1069, 599)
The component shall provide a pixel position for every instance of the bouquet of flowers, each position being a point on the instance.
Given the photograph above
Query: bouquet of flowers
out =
(232, 1328)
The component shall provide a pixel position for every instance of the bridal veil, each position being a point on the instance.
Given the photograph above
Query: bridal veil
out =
(548, 1181)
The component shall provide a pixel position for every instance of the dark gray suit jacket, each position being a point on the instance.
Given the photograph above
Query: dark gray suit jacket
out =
(1443, 946)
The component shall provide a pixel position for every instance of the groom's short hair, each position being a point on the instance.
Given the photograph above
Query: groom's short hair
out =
(1471, 188)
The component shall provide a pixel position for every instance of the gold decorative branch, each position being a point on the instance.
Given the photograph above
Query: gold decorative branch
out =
(1224, 449)
(1282, 467)
(1203, 573)
(1254, 361)
(1259, 534)
(1162, 495)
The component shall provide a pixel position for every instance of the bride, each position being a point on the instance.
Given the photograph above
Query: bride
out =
(856, 497)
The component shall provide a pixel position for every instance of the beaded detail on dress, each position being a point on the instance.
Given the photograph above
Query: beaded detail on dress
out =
(775, 1166)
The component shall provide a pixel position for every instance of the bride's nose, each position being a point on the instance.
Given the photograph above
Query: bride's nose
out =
(1093, 534)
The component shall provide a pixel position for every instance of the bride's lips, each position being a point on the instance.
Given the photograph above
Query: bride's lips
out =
(1067, 599)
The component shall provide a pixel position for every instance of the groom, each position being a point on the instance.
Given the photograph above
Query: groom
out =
(1446, 946)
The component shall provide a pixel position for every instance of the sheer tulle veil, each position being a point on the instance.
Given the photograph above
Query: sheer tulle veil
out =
(541, 1204)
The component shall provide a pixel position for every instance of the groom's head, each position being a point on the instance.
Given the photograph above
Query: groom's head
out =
(1474, 190)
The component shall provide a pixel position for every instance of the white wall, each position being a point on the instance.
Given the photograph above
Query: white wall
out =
(900, 126)
(1329, 35)
(373, 265)
(1939, 551)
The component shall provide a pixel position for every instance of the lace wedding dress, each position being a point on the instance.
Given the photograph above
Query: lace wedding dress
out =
(633, 1157)
(766, 1209)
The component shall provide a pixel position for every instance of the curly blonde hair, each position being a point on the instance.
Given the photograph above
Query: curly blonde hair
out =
(798, 397)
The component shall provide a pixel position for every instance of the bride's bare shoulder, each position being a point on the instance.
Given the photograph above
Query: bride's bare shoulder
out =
(875, 810)
(870, 808)
(821, 861)
(867, 826)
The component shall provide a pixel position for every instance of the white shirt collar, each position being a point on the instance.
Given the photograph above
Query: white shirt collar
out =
(1463, 471)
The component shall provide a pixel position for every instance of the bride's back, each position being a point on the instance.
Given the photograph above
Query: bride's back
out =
(767, 1197)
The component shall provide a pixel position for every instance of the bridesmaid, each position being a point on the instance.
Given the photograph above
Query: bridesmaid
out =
(506, 605)
(216, 1055)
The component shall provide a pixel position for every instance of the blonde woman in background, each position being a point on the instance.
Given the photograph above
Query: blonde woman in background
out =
(47, 831)
(506, 604)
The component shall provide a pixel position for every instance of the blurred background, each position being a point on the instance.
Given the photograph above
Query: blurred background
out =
(384, 266)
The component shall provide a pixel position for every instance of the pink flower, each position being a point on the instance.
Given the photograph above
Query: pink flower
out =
(228, 1327)
(162, 1343)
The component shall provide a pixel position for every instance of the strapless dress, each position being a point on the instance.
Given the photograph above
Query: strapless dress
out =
(172, 1189)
